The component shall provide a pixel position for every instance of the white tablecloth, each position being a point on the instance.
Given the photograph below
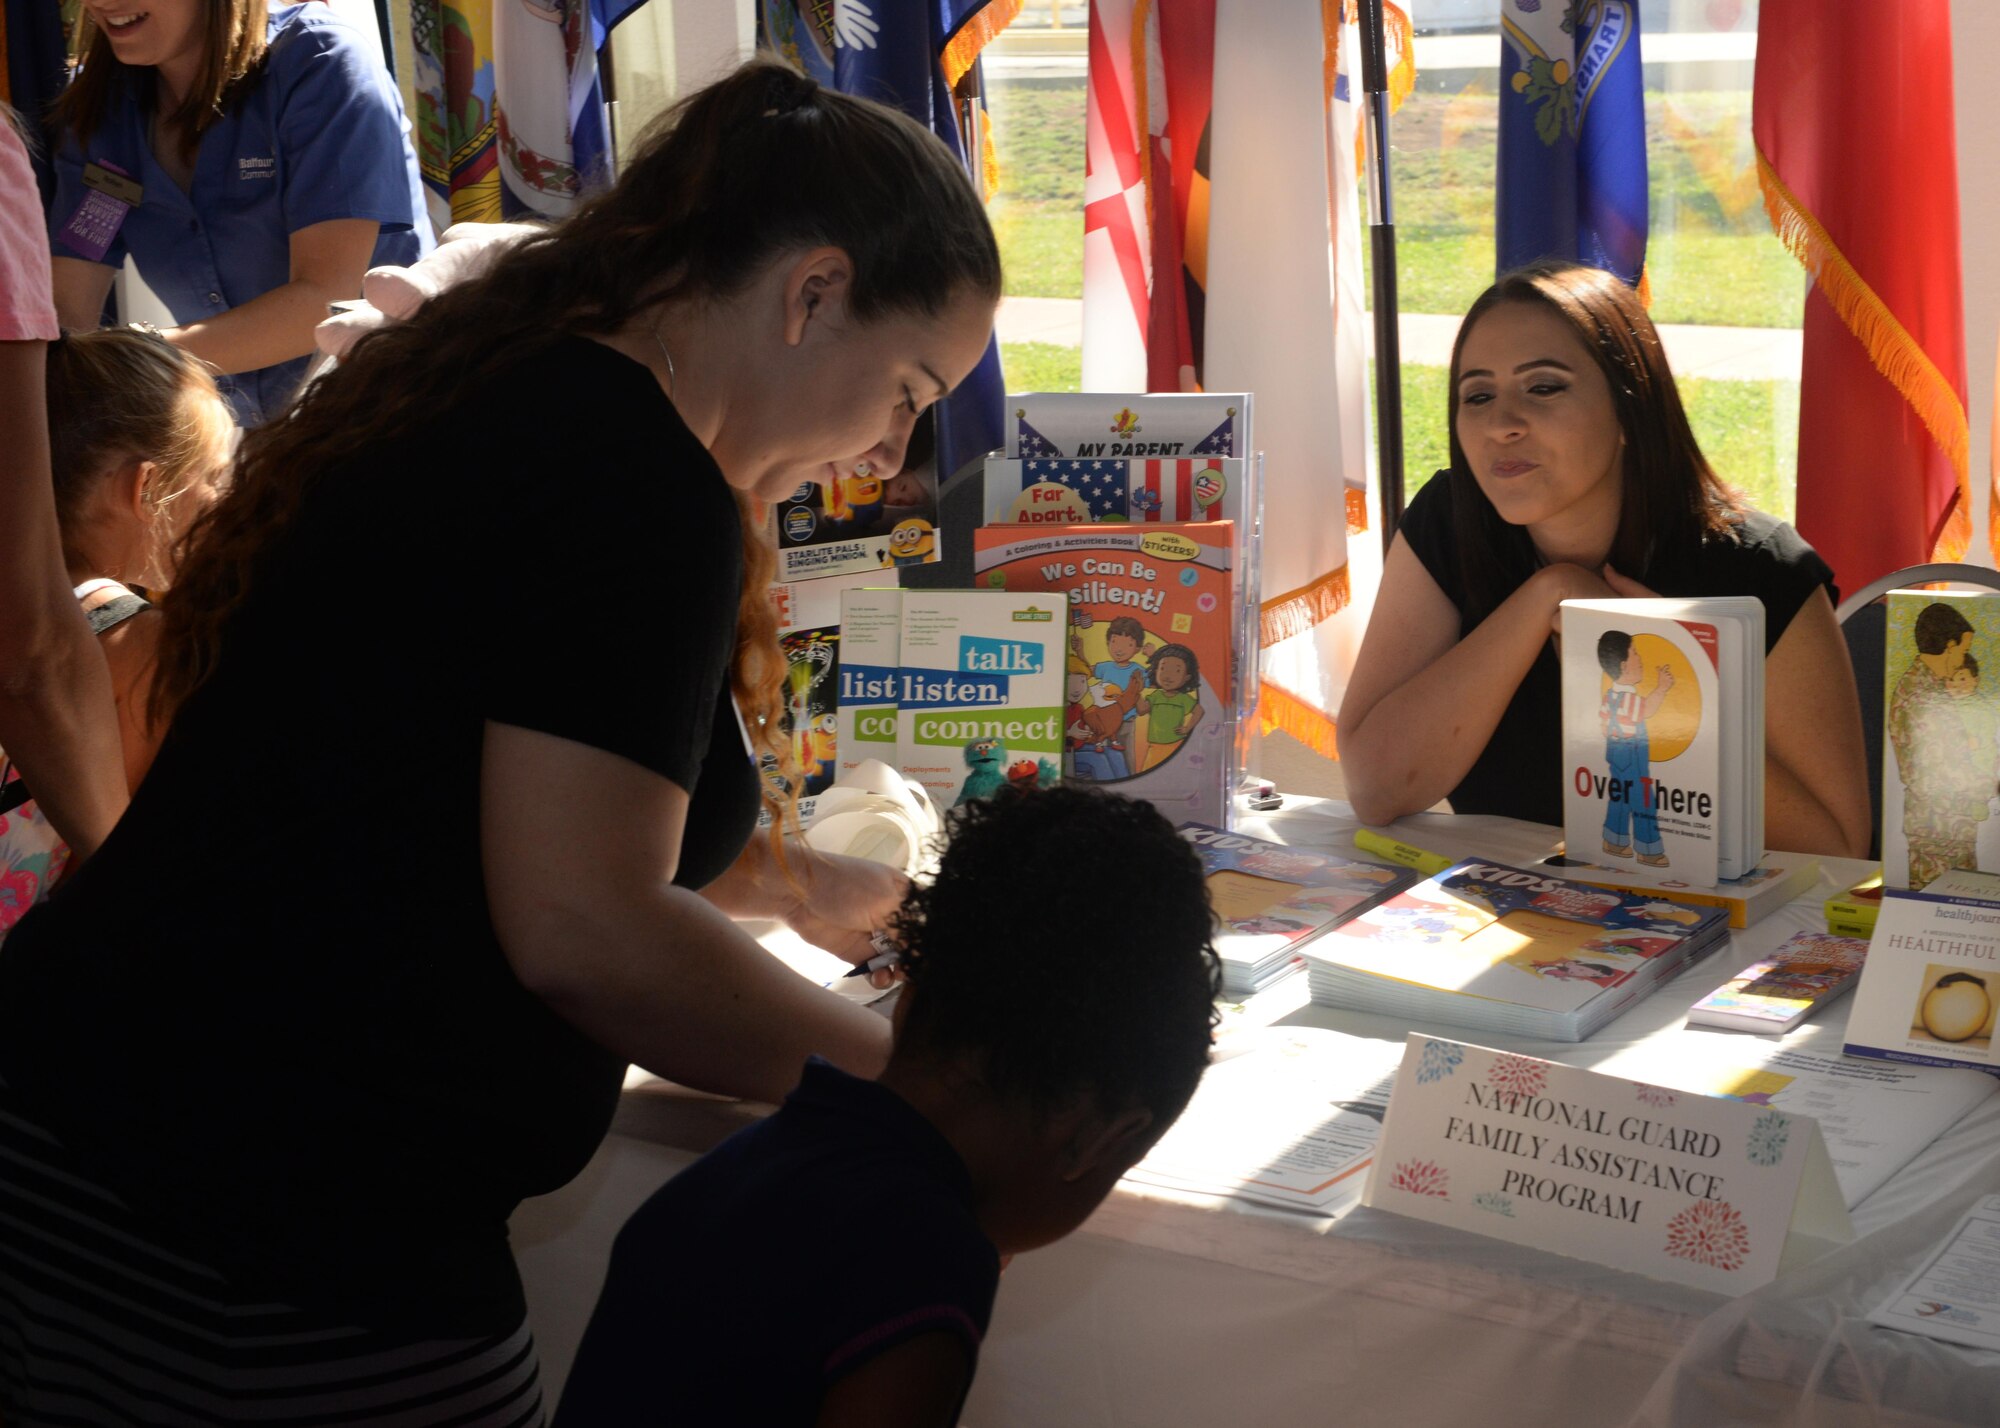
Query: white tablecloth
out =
(1170, 1309)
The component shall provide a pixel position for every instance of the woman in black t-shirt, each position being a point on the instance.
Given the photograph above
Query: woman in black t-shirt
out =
(457, 804)
(1574, 475)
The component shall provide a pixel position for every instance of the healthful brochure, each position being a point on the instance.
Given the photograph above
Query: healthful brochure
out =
(1149, 698)
(1269, 899)
(980, 692)
(1663, 735)
(1931, 984)
(1498, 948)
(1941, 736)
(1776, 994)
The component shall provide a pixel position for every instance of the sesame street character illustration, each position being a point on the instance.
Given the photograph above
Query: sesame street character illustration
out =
(988, 771)
(912, 542)
(984, 760)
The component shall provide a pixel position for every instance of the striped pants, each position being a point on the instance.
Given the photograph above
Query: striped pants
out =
(101, 1325)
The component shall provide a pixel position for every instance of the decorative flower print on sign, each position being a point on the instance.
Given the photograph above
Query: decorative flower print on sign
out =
(1659, 1097)
(1422, 1177)
(1494, 1201)
(1768, 1137)
(1709, 1232)
(1518, 1075)
(1439, 1060)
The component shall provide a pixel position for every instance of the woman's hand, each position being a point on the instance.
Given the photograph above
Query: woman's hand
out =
(847, 899)
(1624, 587)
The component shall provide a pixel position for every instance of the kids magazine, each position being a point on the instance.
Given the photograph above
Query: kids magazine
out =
(1149, 704)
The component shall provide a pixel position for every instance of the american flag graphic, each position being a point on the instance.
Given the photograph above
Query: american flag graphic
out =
(1221, 441)
(1101, 484)
(1032, 443)
(1167, 490)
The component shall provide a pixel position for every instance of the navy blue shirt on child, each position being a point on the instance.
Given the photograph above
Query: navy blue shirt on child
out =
(790, 1255)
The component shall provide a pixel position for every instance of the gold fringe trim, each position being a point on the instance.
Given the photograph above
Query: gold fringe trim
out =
(1280, 710)
(962, 52)
(1357, 511)
(1296, 611)
(1646, 288)
(1142, 117)
(1403, 78)
(989, 161)
(1333, 17)
(1896, 354)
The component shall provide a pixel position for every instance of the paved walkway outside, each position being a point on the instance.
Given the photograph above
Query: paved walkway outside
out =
(1748, 354)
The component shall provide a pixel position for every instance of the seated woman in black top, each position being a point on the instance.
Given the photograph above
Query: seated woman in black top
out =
(457, 803)
(1574, 475)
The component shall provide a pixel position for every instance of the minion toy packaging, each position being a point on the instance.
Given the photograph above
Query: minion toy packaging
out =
(860, 520)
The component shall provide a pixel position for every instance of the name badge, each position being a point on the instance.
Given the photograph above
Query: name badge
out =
(111, 195)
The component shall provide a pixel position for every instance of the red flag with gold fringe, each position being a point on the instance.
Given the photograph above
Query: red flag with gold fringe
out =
(1857, 154)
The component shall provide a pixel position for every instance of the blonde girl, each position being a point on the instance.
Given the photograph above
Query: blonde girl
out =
(138, 437)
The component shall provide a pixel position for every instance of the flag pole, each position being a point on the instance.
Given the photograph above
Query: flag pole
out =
(1382, 255)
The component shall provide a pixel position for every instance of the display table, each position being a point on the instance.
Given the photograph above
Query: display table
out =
(1169, 1309)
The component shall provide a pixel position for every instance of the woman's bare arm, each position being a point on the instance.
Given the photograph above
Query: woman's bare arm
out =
(57, 721)
(1422, 702)
(580, 848)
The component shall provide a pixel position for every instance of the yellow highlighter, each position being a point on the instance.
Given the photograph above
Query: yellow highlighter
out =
(1383, 846)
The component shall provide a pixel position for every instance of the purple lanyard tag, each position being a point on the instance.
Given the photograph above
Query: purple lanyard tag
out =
(110, 194)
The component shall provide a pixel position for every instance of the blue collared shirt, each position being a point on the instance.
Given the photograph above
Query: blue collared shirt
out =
(316, 137)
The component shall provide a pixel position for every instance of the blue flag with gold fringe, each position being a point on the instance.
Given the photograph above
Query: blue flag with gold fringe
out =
(1572, 162)
(909, 54)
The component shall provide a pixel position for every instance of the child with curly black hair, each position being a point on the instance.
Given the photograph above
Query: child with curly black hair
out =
(1046, 1039)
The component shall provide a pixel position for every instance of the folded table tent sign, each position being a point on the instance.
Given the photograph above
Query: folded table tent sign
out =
(1714, 1193)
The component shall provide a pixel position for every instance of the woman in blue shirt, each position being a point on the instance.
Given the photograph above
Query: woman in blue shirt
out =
(252, 163)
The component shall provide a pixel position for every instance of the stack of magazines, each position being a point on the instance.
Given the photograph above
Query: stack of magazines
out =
(1501, 949)
(1270, 899)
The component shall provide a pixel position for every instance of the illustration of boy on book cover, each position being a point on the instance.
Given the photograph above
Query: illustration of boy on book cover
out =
(1941, 727)
(1630, 826)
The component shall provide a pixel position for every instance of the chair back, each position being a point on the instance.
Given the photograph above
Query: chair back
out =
(1864, 625)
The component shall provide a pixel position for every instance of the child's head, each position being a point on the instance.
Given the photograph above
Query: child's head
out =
(1123, 637)
(1614, 650)
(1076, 680)
(1963, 682)
(138, 438)
(1174, 668)
(1061, 978)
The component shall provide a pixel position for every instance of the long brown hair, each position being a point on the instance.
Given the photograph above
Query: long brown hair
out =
(233, 41)
(1670, 496)
(120, 396)
(760, 164)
